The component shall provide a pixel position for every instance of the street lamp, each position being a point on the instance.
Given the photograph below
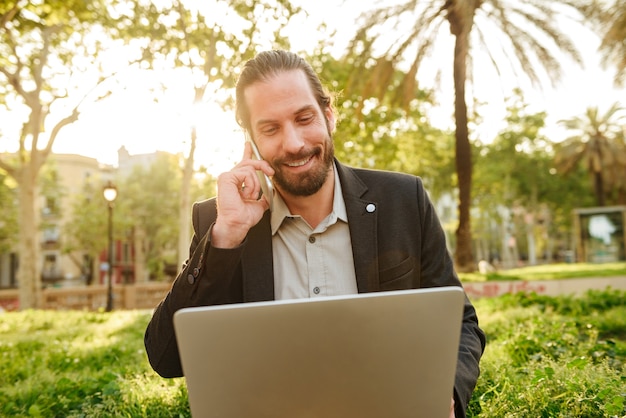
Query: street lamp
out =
(110, 193)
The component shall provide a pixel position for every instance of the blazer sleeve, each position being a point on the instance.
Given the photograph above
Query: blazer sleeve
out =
(208, 277)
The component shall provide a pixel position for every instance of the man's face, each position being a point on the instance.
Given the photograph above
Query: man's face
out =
(292, 132)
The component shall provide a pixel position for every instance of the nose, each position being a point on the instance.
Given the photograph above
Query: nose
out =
(292, 140)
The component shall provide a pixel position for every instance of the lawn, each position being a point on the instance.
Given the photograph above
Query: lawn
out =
(551, 272)
(553, 356)
(545, 357)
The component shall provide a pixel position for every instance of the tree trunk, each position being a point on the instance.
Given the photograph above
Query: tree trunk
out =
(507, 255)
(547, 225)
(184, 230)
(140, 255)
(460, 24)
(29, 266)
(530, 239)
(598, 187)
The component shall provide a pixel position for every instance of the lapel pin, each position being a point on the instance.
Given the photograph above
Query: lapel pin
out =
(370, 208)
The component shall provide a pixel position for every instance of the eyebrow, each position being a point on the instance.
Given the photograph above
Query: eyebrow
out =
(304, 109)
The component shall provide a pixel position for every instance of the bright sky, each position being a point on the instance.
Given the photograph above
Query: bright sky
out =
(134, 120)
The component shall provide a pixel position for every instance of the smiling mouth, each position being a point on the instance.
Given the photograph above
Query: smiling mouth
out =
(299, 163)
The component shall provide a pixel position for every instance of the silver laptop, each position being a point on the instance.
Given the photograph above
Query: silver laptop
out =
(387, 354)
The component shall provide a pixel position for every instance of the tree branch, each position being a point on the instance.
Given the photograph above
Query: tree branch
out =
(14, 77)
(11, 170)
(9, 15)
(43, 56)
(73, 117)
(14, 80)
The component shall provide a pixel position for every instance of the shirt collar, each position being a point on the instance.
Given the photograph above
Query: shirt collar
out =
(281, 212)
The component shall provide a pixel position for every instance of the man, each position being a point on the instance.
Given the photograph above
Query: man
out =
(333, 229)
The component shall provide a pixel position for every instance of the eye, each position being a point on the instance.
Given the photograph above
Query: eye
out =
(305, 119)
(269, 130)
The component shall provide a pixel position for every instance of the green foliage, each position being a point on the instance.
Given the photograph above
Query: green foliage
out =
(545, 356)
(516, 184)
(52, 192)
(8, 213)
(609, 19)
(552, 272)
(210, 40)
(51, 58)
(552, 356)
(87, 229)
(40, 45)
(409, 32)
(597, 143)
(204, 186)
(373, 132)
(147, 202)
(77, 364)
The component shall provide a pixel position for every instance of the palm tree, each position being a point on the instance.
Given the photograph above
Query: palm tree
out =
(610, 20)
(504, 30)
(599, 143)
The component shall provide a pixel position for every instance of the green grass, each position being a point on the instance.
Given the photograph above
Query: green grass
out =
(81, 364)
(553, 357)
(545, 357)
(551, 272)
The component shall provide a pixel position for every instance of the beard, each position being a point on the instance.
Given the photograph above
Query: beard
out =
(309, 183)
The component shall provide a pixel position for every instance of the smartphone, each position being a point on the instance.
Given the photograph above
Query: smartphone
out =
(267, 188)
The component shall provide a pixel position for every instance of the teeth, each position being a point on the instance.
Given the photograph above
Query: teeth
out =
(299, 163)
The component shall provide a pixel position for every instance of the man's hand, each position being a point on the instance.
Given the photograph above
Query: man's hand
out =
(238, 205)
(452, 409)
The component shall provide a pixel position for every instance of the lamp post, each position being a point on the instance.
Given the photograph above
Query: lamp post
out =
(110, 193)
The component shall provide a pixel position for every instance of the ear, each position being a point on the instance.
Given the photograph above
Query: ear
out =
(330, 117)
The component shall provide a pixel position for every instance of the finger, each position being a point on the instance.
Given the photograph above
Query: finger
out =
(249, 186)
(247, 150)
(260, 165)
(241, 180)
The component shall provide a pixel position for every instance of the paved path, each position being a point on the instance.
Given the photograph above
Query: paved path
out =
(476, 290)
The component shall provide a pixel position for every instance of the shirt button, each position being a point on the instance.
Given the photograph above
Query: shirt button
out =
(312, 239)
(191, 279)
(316, 290)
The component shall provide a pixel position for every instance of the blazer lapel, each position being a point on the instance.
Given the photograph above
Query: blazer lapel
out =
(257, 263)
(362, 221)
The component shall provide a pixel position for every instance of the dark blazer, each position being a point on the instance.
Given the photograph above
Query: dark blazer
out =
(397, 243)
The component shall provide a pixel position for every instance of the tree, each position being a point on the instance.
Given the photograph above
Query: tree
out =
(45, 47)
(516, 184)
(610, 21)
(86, 231)
(524, 30)
(8, 211)
(598, 143)
(197, 42)
(147, 212)
(379, 135)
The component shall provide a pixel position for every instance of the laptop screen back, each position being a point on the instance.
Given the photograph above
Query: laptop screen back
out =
(387, 354)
